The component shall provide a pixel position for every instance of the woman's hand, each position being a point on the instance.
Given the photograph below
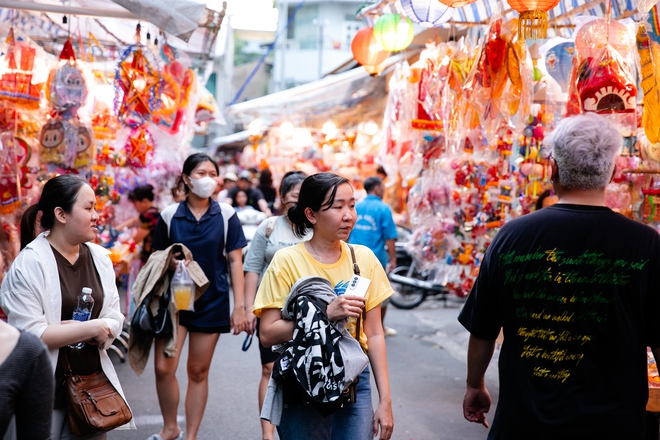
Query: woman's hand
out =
(250, 322)
(238, 322)
(174, 260)
(101, 331)
(345, 306)
(383, 418)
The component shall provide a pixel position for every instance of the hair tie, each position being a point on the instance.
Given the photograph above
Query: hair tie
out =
(39, 205)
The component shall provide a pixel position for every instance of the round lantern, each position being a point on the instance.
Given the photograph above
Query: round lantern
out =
(366, 50)
(533, 20)
(394, 32)
(427, 13)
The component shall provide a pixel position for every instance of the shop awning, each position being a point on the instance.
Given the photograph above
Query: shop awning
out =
(188, 24)
(347, 98)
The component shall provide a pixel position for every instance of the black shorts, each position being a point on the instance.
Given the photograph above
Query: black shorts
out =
(209, 330)
(267, 355)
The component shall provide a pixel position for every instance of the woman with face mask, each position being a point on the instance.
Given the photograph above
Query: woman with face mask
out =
(198, 224)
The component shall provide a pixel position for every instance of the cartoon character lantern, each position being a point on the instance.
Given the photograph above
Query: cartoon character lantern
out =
(605, 84)
(66, 85)
(56, 138)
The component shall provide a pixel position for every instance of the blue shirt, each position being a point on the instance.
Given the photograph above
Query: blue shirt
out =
(205, 239)
(374, 226)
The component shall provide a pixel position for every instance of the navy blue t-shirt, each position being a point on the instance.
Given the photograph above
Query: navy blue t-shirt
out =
(205, 239)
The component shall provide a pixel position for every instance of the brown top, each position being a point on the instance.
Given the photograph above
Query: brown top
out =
(73, 277)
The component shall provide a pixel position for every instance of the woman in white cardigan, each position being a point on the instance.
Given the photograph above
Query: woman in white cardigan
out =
(41, 287)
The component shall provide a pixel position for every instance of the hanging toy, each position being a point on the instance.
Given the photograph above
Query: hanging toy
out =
(16, 83)
(139, 147)
(66, 88)
(9, 180)
(176, 85)
(56, 138)
(84, 146)
(649, 58)
(136, 85)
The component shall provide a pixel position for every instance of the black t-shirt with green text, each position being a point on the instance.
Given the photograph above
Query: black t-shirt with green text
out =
(577, 291)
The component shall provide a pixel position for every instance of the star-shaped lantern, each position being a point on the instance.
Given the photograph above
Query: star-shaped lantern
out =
(139, 147)
(139, 84)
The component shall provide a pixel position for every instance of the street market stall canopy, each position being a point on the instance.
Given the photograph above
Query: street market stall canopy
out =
(348, 98)
(187, 25)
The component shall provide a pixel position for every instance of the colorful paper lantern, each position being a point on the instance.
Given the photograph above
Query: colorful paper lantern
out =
(533, 20)
(427, 13)
(139, 147)
(457, 3)
(366, 49)
(66, 88)
(394, 32)
(137, 83)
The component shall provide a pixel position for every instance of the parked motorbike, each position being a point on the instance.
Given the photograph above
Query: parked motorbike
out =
(411, 287)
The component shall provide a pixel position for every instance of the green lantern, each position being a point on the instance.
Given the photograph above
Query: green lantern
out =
(394, 32)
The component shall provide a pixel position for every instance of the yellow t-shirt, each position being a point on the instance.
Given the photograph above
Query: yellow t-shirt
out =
(293, 263)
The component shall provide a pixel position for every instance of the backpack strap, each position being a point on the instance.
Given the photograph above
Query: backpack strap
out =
(167, 214)
(270, 226)
(356, 271)
(227, 212)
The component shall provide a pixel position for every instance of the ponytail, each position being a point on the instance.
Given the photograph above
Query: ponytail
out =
(28, 227)
(298, 219)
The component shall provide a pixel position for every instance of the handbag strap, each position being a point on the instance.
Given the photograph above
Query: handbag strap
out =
(65, 358)
(356, 271)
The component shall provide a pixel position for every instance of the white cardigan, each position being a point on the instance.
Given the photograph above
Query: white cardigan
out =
(31, 297)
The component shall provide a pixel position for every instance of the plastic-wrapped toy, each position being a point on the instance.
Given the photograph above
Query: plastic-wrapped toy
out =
(606, 85)
(177, 82)
(85, 149)
(55, 138)
(649, 58)
(139, 147)
(66, 88)
(137, 87)
(9, 181)
(16, 81)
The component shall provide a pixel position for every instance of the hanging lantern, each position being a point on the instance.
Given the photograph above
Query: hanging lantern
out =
(533, 20)
(394, 32)
(427, 13)
(366, 50)
(457, 3)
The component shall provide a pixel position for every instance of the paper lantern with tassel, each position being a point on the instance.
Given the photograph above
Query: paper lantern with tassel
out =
(366, 50)
(394, 32)
(427, 13)
(533, 20)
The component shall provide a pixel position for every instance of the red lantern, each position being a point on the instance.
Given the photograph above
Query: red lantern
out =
(366, 50)
(533, 21)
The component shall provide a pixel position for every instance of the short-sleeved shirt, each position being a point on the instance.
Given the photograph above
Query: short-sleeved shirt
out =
(374, 226)
(73, 277)
(253, 195)
(148, 221)
(262, 248)
(577, 291)
(205, 239)
(292, 263)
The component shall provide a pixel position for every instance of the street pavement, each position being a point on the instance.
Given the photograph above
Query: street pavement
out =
(427, 375)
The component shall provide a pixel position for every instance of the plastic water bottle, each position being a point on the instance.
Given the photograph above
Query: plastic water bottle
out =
(83, 310)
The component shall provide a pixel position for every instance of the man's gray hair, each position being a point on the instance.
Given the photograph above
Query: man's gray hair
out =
(584, 147)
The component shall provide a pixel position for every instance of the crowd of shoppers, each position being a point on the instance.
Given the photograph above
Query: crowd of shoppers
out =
(567, 333)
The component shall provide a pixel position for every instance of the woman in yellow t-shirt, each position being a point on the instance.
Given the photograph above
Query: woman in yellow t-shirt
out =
(326, 205)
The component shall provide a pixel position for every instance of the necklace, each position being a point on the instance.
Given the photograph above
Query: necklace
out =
(197, 214)
(317, 254)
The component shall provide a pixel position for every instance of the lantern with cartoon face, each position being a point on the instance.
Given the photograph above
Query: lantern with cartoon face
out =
(55, 139)
(66, 85)
(605, 84)
(84, 146)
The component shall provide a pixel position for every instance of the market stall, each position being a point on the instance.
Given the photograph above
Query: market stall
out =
(112, 93)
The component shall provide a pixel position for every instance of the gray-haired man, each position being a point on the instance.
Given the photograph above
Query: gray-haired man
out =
(576, 289)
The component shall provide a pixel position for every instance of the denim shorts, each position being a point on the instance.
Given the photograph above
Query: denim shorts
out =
(353, 421)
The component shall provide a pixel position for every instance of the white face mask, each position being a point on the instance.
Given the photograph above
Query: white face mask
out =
(203, 187)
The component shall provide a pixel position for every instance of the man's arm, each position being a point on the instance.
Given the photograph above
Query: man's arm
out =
(476, 402)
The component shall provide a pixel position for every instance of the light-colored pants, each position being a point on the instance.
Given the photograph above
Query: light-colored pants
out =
(60, 429)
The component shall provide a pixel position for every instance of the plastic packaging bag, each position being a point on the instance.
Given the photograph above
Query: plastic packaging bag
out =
(183, 288)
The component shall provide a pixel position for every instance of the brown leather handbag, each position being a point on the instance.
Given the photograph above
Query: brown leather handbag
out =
(93, 404)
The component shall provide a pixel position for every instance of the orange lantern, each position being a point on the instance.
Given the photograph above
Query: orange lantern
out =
(457, 3)
(533, 20)
(366, 50)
